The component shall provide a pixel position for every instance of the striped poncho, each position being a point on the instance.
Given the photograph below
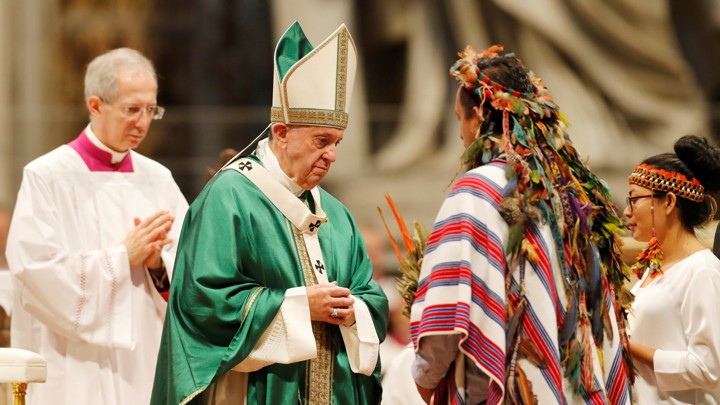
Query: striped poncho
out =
(463, 289)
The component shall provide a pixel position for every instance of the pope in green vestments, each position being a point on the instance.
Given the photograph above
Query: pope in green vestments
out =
(265, 308)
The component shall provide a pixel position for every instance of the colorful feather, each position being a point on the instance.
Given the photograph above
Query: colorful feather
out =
(650, 259)
(595, 292)
(569, 326)
(531, 352)
(607, 325)
(392, 240)
(515, 316)
(410, 264)
(407, 239)
(579, 365)
(529, 251)
(525, 388)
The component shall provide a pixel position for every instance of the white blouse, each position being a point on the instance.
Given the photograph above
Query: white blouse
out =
(678, 314)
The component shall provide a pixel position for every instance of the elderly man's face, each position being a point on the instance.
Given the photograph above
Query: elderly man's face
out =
(123, 123)
(306, 152)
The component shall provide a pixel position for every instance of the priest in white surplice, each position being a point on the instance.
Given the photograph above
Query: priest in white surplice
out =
(92, 244)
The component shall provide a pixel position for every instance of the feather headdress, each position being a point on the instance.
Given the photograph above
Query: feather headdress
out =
(555, 187)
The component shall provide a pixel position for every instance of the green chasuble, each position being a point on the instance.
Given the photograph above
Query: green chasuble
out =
(236, 257)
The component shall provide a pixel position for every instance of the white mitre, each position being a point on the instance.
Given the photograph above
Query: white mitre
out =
(313, 86)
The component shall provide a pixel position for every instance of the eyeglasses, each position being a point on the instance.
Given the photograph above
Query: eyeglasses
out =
(631, 200)
(132, 111)
(135, 111)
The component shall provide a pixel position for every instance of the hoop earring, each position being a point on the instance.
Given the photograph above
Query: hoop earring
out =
(650, 258)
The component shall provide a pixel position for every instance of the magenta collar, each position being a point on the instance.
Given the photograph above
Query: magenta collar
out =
(96, 159)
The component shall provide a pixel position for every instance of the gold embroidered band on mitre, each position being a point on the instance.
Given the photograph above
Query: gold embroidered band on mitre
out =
(666, 181)
(307, 116)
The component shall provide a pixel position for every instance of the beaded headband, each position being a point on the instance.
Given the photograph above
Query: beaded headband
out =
(665, 181)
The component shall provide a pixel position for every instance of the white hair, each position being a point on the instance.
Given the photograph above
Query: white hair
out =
(102, 72)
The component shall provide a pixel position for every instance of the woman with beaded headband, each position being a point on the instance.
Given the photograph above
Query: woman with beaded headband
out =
(675, 321)
(517, 301)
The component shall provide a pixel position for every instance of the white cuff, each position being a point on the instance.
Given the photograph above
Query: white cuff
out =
(667, 365)
(288, 339)
(361, 340)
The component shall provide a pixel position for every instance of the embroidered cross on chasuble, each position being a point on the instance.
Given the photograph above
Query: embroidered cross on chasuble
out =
(318, 371)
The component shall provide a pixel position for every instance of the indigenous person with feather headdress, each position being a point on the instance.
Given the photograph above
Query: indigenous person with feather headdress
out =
(675, 323)
(273, 299)
(518, 291)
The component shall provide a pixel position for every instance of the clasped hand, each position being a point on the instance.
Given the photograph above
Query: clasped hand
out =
(146, 240)
(327, 300)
